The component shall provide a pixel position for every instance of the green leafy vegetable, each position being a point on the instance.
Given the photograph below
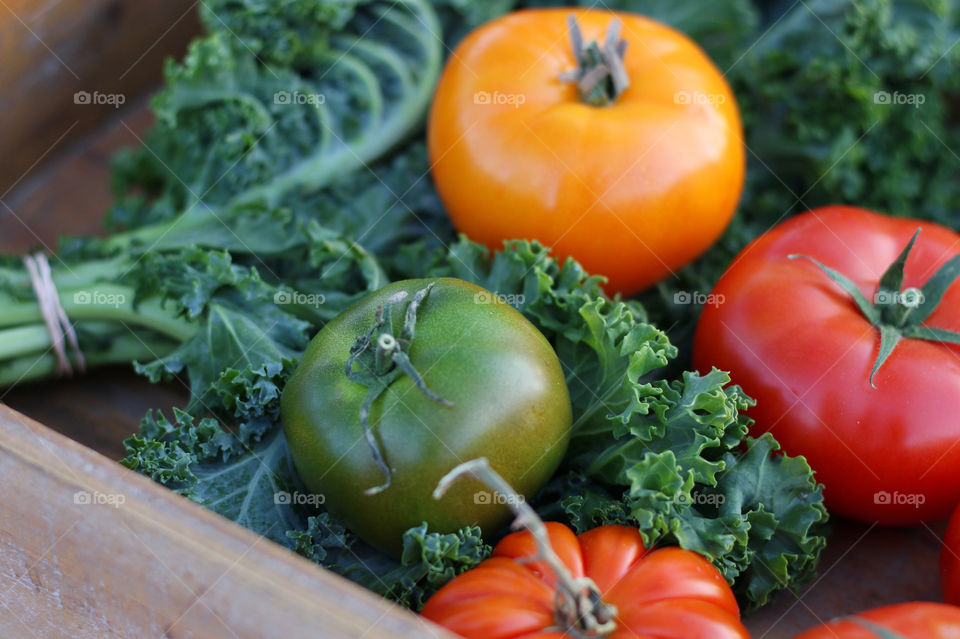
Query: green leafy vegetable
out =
(279, 99)
(664, 455)
(284, 170)
(429, 560)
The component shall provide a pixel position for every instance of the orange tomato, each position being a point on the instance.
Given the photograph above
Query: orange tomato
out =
(634, 189)
(666, 593)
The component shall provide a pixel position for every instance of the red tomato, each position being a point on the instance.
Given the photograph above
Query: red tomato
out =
(950, 562)
(798, 343)
(663, 593)
(917, 620)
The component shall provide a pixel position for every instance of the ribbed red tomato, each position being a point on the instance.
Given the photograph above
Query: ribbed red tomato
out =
(665, 593)
(915, 620)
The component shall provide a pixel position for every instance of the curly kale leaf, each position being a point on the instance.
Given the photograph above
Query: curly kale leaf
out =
(292, 33)
(428, 560)
(277, 99)
(245, 345)
(384, 206)
(249, 478)
(782, 505)
(664, 455)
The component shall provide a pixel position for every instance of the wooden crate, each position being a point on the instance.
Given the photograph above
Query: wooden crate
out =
(90, 549)
(158, 565)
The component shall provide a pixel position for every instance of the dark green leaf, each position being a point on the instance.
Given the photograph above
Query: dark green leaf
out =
(892, 278)
(932, 334)
(934, 289)
(889, 338)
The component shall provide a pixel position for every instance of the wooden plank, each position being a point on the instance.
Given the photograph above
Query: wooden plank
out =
(144, 562)
(98, 410)
(52, 49)
(71, 194)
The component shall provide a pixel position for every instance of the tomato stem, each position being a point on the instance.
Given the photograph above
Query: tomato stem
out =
(580, 610)
(897, 313)
(377, 359)
(600, 75)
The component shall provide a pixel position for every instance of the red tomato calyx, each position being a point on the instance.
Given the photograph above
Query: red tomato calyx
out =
(580, 612)
(600, 75)
(377, 359)
(899, 313)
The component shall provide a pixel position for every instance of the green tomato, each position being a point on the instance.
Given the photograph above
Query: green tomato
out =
(490, 386)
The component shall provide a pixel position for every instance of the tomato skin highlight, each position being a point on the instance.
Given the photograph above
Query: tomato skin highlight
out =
(914, 620)
(797, 343)
(511, 405)
(950, 561)
(666, 593)
(633, 190)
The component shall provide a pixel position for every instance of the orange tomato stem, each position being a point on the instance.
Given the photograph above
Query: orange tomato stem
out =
(600, 75)
(580, 610)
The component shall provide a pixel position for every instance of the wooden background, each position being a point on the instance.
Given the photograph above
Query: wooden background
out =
(66, 192)
(50, 49)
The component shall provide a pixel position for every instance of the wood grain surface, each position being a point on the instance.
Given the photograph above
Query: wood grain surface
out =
(90, 550)
(863, 567)
(52, 49)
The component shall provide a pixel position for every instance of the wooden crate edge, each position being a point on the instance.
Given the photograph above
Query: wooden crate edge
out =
(155, 564)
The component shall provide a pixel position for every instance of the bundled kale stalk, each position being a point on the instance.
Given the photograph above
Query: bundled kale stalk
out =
(283, 179)
(248, 131)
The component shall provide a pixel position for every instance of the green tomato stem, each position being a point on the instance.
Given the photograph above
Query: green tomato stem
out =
(377, 359)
